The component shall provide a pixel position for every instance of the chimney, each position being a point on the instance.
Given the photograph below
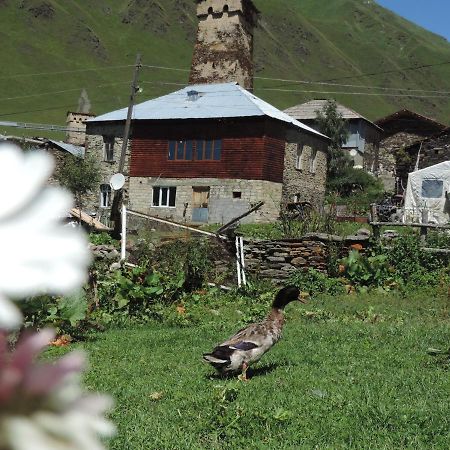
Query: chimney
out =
(224, 48)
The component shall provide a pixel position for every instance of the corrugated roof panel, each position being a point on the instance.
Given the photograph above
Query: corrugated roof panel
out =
(308, 111)
(72, 149)
(214, 101)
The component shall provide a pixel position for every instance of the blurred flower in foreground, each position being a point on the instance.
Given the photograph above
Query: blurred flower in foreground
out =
(41, 404)
(38, 254)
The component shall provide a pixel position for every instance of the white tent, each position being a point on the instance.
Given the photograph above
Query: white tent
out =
(426, 195)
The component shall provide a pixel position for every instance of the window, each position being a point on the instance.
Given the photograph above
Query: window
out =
(313, 161)
(237, 194)
(180, 150)
(299, 157)
(201, 149)
(432, 188)
(109, 148)
(105, 195)
(209, 150)
(164, 196)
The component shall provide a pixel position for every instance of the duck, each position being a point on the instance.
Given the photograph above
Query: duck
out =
(249, 344)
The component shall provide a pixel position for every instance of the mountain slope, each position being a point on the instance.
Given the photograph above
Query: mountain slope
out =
(297, 39)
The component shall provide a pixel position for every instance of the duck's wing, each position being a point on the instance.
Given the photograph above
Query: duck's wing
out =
(247, 338)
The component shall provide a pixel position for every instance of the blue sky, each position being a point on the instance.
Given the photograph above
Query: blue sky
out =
(433, 15)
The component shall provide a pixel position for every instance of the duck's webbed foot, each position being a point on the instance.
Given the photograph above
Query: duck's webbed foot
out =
(243, 375)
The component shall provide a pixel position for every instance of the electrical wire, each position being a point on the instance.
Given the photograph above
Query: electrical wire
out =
(19, 75)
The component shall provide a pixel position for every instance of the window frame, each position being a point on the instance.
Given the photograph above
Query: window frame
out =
(108, 149)
(198, 150)
(171, 192)
(300, 157)
(313, 161)
(108, 192)
(174, 146)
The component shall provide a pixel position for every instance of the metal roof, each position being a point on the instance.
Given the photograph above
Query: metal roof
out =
(75, 150)
(205, 101)
(308, 111)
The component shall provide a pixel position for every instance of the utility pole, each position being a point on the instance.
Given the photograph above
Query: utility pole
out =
(118, 195)
(134, 90)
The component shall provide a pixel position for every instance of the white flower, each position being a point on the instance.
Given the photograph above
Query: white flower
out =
(42, 406)
(37, 253)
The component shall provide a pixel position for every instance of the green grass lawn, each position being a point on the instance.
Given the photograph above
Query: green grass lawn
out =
(350, 372)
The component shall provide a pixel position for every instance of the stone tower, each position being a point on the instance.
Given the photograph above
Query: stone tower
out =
(224, 48)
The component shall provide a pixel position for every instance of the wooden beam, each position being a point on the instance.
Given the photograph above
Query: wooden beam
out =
(237, 219)
(175, 224)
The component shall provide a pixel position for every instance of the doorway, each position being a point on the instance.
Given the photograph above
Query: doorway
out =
(200, 200)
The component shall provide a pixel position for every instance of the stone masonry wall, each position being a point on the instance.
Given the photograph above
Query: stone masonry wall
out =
(277, 259)
(304, 184)
(224, 48)
(222, 206)
(95, 146)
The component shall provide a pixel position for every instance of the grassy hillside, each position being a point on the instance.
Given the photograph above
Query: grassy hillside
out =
(309, 40)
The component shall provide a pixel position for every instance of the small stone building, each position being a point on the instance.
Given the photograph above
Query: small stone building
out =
(223, 50)
(76, 124)
(431, 151)
(400, 130)
(364, 135)
(207, 153)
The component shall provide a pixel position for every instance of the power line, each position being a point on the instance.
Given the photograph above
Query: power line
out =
(60, 92)
(165, 68)
(350, 85)
(423, 66)
(20, 75)
(370, 94)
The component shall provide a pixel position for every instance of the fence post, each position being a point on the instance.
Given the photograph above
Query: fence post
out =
(123, 241)
(424, 230)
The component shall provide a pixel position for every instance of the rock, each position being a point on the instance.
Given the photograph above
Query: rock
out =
(299, 261)
(363, 232)
(115, 266)
(275, 259)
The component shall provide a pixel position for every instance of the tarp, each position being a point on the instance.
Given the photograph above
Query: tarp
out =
(427, 195)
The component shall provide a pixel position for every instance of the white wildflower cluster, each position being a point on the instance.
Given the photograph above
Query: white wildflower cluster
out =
(42, 405)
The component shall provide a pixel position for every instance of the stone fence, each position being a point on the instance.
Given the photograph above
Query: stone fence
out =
(277, 259)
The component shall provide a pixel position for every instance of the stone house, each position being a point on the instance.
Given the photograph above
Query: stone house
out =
(364, 135)
(206, 153)
(401, 130)
(430, 151)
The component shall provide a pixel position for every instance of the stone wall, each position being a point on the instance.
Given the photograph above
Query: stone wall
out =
(390, 151)
(306, 183)
(435, 150)
(224, 47)
(95, 146)
(277, 259)
(227, 198)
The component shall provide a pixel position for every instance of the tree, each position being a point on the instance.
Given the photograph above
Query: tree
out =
(331, 123)
(79, 175)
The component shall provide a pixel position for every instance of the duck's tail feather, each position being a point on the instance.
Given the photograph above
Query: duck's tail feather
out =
(218, 363)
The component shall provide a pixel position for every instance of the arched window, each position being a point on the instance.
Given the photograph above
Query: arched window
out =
(210, 10)
(225, 8)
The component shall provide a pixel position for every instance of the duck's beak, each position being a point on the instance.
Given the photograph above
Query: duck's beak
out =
(302, 297)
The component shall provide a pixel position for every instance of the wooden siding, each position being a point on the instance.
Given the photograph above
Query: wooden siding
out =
(252, 149)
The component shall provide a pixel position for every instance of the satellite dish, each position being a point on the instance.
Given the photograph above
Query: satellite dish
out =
(117, 181)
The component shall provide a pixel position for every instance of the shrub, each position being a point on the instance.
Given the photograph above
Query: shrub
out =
(314, 282)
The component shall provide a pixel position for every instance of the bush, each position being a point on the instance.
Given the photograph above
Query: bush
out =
(314, 282)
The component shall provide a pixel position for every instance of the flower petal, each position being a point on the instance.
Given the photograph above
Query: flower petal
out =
(29, 347)
(24, 174)
(41, 380)
(10, 316)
